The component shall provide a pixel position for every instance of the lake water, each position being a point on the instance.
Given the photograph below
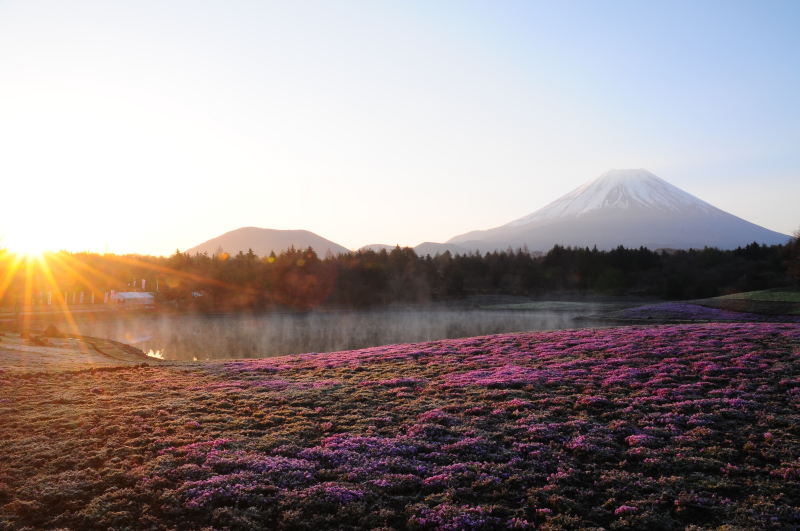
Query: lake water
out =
(184, 337)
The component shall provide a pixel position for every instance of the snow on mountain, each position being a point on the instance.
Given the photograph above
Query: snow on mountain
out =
(623, 207)
(622, 189)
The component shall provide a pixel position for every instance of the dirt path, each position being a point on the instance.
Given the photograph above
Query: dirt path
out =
(67, 353)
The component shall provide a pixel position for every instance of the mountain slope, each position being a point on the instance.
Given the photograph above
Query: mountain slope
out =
(433, 249)
(624, 207)
(377, 247)
(263, 241)
(422, 249)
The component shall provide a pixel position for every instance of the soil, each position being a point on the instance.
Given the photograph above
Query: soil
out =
(66, 353)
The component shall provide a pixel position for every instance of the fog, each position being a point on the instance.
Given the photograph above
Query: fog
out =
(182, 337)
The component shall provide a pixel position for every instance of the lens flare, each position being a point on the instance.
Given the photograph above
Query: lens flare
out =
(29, 243)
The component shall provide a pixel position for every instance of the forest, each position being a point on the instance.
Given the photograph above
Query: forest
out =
(301, 279)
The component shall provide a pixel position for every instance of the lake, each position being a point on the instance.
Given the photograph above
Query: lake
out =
(190, 337)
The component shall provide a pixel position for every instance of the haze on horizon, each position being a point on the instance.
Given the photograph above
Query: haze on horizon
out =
(149, 126)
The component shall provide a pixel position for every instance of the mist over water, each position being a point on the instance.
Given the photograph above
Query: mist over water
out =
(183, 337)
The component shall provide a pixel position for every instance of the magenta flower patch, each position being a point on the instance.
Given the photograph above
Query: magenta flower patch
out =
(660, 427)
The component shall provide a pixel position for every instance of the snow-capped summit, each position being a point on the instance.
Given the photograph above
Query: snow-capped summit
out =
(624, 207)
(622, 189)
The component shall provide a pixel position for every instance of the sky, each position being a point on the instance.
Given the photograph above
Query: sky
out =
(150, 126)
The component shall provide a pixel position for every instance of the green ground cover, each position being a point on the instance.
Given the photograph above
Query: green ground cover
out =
(766, 295)
(558, 306)
(765, 302)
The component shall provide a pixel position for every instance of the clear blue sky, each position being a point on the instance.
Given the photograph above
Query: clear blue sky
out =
(152, 125)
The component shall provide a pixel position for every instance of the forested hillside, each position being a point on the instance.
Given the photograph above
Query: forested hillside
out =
(301, 279)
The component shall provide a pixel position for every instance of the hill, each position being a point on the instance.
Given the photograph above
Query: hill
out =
(263, 241)
(632, 208)
(672, 427)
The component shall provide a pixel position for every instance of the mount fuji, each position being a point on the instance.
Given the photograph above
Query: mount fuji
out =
(632, 208)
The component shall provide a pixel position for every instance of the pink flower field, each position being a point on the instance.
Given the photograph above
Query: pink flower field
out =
(668, 427)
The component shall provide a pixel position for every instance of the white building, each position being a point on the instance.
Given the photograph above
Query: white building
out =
(134, 300)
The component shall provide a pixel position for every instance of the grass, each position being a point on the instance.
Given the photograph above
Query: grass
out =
(556, 306)
(766, 295)
(767, 302)
(670, 427)
(687, 312)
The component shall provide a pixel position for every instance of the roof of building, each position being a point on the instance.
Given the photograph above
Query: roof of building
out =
(133, 295)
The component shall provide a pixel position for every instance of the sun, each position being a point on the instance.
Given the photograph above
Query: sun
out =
(30, 244)
(30, 252)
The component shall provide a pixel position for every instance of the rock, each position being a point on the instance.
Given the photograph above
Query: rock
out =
(52, 331)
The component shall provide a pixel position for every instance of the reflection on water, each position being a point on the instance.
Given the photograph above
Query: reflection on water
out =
(181, 337)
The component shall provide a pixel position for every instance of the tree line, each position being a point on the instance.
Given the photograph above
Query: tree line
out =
(301, 279)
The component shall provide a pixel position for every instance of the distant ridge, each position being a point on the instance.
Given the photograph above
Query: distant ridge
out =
(263, 241)
(422, 249)
(628, 207)
(377, 247)
(433, 249)
(632, 208)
